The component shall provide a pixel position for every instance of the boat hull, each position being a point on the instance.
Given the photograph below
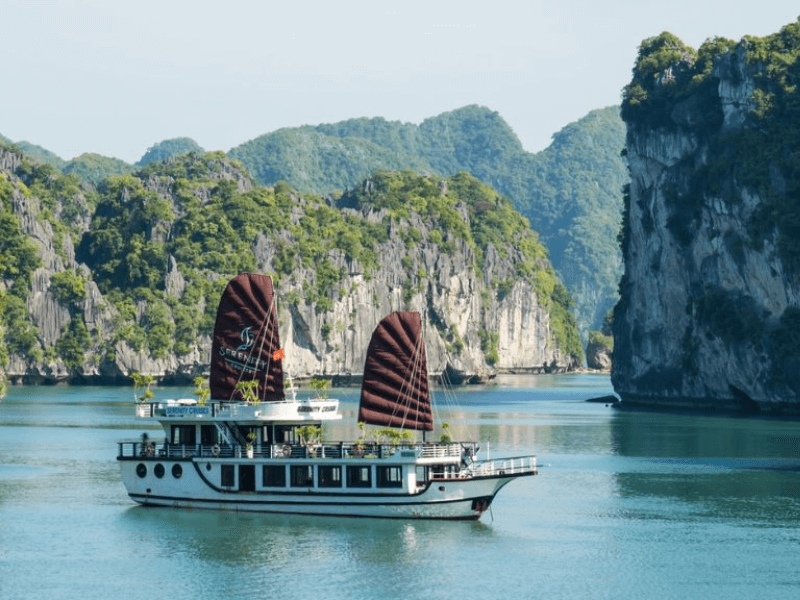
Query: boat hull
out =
(456, 499)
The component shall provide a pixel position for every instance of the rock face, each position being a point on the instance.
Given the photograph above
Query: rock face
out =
(708, 312)
(570, 192)
(471, 329)
(598, 354)
(454, 305)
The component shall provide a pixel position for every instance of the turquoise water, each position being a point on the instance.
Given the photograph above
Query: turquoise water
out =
(627, 505)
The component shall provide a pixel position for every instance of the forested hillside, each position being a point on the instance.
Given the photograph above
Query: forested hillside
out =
(570, 192)
(125, 276)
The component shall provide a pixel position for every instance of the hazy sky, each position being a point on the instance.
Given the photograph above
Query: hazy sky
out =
(117, 76)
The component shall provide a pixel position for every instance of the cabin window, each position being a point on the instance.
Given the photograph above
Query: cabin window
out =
(390, 476)
(422, 475)
(209, 435)
(438, 472)
(302, 475)
(247, 478)
(330, 476)
(283, 435)
(184, 435)
(359, 476)
(228, 476)
(274, 475)
(266, 434)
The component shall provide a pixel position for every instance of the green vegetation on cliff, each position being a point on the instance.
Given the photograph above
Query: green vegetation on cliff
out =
(18, 260)
(314, 160)
(716, 138)
(209, 228)
(492, 221)
(42, 155)
(570, 192)
(94, 168)
(763, 154)
(168, 148)
(160, 244)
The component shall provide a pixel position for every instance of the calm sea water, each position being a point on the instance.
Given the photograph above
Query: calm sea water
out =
(627, 505)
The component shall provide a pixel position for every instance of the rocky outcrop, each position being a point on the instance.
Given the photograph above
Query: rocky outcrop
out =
(598, 353)
(708, 311)
(458, 307)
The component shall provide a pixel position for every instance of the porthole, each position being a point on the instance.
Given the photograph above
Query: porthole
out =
(158, 471)
(208, 466)
(141, 470)
(177, 471)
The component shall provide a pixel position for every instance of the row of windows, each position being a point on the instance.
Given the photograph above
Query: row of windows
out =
(328, 476)
(158, 470)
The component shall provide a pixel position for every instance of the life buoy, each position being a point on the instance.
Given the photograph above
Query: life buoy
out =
(215, 450)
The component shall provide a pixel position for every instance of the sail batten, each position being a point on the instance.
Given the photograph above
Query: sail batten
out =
(246, 340)
(394, 391)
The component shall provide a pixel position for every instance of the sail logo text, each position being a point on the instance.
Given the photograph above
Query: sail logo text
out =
(244, 360)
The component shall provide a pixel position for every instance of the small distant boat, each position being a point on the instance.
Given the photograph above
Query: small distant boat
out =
(250, 448)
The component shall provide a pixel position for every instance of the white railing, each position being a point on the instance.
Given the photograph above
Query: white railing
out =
(440, 450)
(519, 465)
(145, 410)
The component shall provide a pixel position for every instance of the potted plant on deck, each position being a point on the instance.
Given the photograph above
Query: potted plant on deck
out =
(144, 382)
(248, 390)
(310, 435)
(251, 439)
(201, 390)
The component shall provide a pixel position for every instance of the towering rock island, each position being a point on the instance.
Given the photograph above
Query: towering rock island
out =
(709, 315)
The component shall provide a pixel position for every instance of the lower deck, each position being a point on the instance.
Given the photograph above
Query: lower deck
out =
(338, 467)
(411, 481)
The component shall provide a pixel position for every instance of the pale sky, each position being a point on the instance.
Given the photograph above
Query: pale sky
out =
(117, 76)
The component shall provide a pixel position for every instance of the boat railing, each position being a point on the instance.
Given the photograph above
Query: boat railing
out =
(146, 410)
(165, 450)
(438, 450)
(151, 449)
(519, 465)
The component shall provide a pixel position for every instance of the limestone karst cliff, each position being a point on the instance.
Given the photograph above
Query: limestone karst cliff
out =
(709, 315)
(126, 277)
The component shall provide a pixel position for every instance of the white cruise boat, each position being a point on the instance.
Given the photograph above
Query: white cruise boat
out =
(250, 448)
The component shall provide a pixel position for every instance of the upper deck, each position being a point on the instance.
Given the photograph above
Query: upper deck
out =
(289, 411)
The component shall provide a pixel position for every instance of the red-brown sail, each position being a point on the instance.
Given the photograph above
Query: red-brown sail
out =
(245, 340)
(394, 391)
